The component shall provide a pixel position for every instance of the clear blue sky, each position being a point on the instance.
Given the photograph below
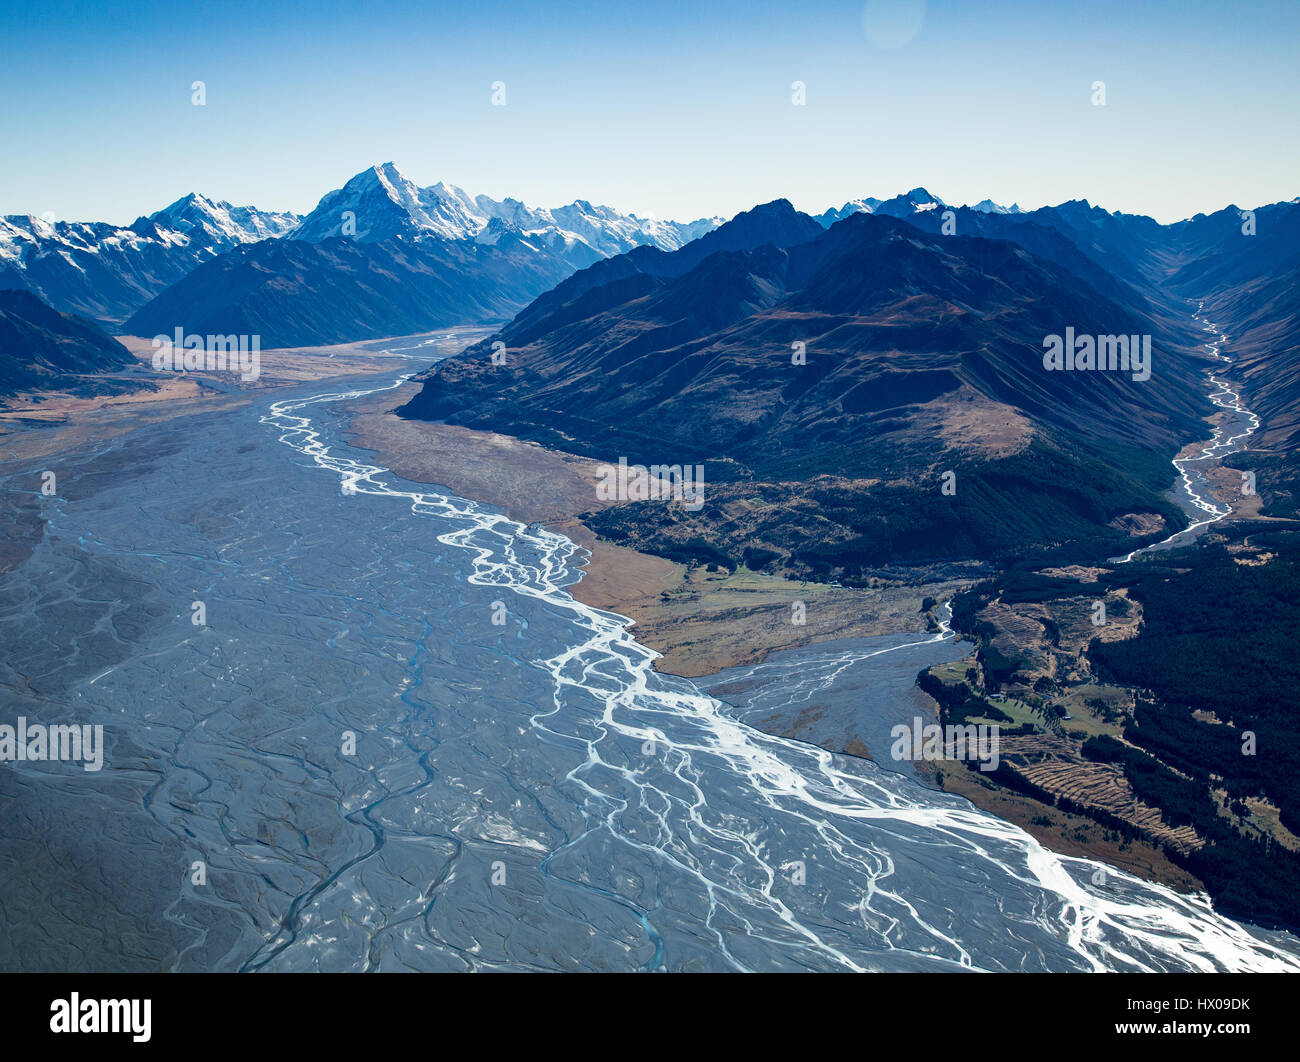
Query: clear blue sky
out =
(673, 109)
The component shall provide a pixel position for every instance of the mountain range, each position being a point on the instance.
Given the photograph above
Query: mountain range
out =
(114, 274)
(923, 354)
(293, 293)
(381, 256)
(106, 271)
(907, 206)
(110, 272)
(923, 321)
(385, 204)
(890, 316)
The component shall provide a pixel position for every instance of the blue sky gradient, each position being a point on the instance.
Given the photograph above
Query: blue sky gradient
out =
(671, 109)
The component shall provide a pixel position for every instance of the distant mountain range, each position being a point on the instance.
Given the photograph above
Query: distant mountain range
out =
(907, 206)
(107, 271)
(384, 203)
(40, 347)
(110, 272)
(381, 257)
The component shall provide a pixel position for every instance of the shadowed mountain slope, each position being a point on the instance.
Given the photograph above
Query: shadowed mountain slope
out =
(920, 353)
(40, 347)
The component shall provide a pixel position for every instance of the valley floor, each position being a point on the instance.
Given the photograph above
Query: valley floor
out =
(701, 621)
(705, 623)
(36, 423)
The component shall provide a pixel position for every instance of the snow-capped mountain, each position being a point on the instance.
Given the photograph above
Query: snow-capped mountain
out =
(610, 232)
(853, 206)
(106, 271)
(219, 225)
(907, 206)
(917, 201)
(987, 206)
(381, 202)
(382, 256)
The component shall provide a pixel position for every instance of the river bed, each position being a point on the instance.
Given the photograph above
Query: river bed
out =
(395, 742)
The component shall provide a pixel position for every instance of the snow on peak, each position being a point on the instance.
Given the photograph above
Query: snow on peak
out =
(376, 204)
(218, 225)
(384, 203)
(853, 206)
(920, 201)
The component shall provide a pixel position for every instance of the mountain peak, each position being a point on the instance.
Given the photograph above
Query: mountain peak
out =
(387, 171)
(915, 201)
(777, 223)
(777, 208)
(987, 206)
(378, 203)
(384, 203)
(384, 175)
(853, 206)
(211, 223)
(190, 203)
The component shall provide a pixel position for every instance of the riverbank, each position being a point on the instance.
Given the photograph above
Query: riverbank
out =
(36, 423)
(700, 621)
(1035, 666)
(732, 634)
